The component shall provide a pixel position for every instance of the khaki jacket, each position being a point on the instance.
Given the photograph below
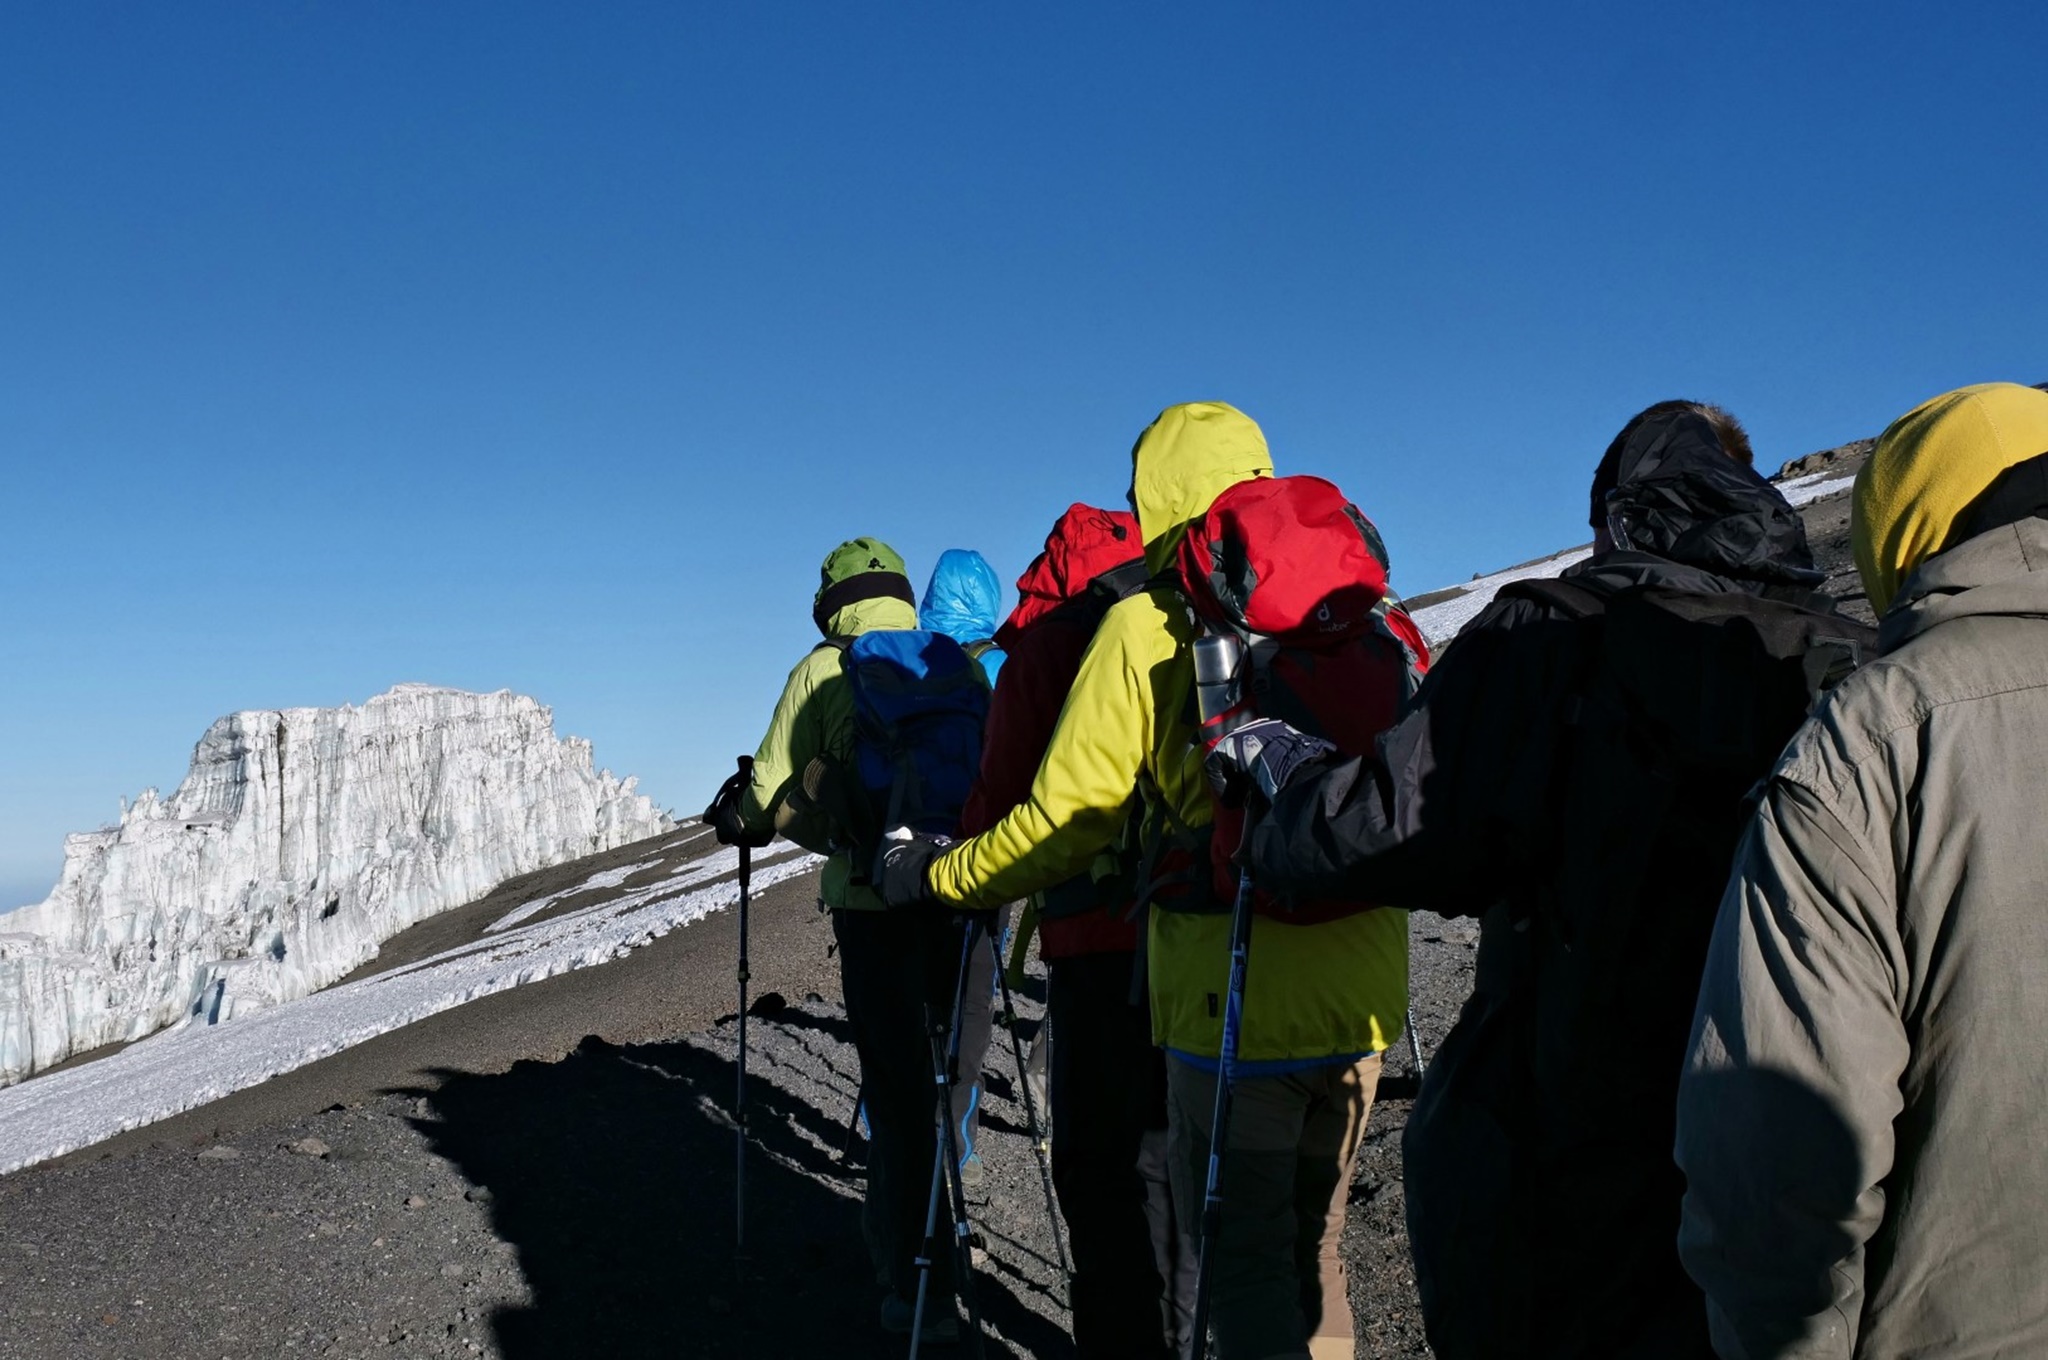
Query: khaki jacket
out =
(1860, 1119)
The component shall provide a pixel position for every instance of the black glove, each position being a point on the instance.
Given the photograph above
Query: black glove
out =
(1259, 755)
(900, 868)
(723, 816)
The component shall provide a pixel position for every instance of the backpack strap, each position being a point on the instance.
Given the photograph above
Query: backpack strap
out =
(1120, 583)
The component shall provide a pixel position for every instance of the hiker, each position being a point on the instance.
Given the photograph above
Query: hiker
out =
(1860, 1113)
(1108, 1081)
(1322, 1000)
(1546, 780)
(891, 964)
(963, 600)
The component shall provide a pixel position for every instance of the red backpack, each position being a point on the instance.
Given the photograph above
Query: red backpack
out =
(1292, 568)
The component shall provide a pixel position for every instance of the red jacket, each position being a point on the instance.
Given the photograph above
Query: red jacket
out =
(1045, 645)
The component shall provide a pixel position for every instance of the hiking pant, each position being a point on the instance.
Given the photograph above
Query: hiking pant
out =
(1109, 1164)
(1278, 1290)
(977, 1023)
(896, 972)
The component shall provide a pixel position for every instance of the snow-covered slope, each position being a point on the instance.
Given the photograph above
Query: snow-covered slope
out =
(299, 841)
(195, 1064)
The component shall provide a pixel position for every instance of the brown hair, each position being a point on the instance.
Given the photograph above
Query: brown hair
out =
(1728, 431)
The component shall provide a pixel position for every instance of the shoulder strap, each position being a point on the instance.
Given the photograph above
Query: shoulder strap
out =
(1120, 583)
(1106, 591)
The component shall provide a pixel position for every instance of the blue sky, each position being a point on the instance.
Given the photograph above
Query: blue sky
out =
(550, 346)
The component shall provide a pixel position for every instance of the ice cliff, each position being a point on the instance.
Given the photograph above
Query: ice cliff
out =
(299, 841)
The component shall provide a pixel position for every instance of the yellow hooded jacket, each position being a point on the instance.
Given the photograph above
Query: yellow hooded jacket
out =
(1312, 992)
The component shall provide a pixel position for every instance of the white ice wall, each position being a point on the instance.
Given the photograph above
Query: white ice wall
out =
(300, 840)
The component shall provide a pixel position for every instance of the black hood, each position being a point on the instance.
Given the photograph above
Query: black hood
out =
(1677, 495)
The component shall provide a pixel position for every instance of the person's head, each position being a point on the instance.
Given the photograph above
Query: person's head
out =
(1184, 460)
(854, 573)
(1918, 494)
(1728, 434)
(963, 600)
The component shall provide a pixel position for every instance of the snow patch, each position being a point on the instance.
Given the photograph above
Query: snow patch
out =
(1818, 486)
(187, 1067)
(717, 865)
(1440, 622)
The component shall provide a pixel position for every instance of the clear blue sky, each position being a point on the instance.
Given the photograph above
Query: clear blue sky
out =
(550, 346)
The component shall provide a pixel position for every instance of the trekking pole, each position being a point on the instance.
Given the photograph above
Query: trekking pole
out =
(1414, 1044)
(853, 1125)
(1039, 1145)
(729, 792)
(746, 774)
(924, 1257)
(1219, 1121)
(1216, 661)
(946, 1166)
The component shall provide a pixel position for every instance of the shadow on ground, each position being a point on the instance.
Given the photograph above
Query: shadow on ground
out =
(612, 1173)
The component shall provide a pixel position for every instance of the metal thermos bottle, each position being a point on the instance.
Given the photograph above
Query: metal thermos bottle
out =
(1217, 656)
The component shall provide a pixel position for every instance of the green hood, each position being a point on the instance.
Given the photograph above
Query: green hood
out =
(1186, 458)
(861, 571)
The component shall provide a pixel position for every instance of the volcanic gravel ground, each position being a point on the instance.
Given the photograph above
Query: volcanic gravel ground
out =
(581, 1204)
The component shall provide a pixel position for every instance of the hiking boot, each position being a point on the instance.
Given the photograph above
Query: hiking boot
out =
(941, 1324)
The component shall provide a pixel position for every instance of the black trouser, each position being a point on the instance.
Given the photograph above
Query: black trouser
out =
(896, 971)
(1109, 1163)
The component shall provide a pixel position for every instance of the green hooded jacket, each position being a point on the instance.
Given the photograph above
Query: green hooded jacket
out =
(863, 588)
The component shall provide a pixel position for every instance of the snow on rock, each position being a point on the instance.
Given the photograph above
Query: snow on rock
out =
(1819, 486)
(192, 1065)
(300, 840)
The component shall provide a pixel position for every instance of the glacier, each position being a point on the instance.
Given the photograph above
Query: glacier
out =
(300, 840)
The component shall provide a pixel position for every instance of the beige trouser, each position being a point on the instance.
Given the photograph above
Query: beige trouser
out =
(1278, 1291)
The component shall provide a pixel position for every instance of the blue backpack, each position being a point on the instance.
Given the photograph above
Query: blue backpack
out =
(919, 705)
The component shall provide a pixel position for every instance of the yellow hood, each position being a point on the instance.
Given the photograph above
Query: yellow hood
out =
(1185, 459)
(1928, 468)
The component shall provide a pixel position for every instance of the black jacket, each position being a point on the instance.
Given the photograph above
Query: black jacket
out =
(1542, 1202)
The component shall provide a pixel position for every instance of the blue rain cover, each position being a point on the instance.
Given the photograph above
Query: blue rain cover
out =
(964, 600)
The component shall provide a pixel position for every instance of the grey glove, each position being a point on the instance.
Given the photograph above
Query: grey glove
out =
(1260, 755)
